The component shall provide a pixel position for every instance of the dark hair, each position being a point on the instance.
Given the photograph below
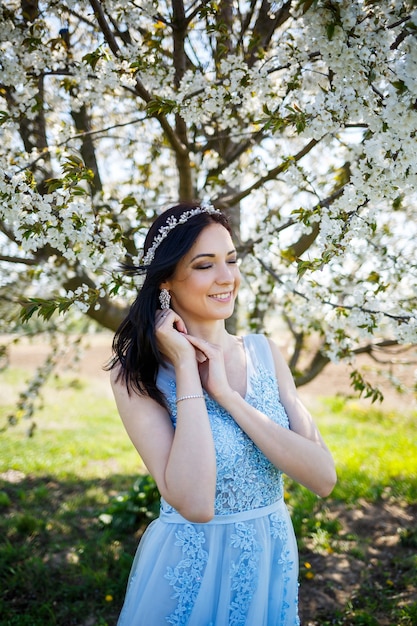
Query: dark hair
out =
(134, 344)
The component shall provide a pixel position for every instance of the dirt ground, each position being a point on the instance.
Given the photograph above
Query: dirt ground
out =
(371, 554)
(369, 567)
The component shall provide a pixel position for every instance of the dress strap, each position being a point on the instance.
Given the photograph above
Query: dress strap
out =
(259, 353)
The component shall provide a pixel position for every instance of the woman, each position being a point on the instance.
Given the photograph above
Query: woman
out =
(216, 420)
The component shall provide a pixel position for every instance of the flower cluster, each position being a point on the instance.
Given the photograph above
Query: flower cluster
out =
(306, 130)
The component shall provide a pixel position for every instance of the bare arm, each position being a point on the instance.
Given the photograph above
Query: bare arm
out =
(299, 452)
(181, 460)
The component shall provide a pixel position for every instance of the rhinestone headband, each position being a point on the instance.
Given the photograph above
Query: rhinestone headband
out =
(171, 223)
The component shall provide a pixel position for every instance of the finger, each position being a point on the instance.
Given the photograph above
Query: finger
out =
(179, 324)
(200, 356)
(161, 316)
(169, 316)
(202, 346)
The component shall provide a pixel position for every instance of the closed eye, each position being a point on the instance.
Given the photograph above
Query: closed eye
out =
(231, 259)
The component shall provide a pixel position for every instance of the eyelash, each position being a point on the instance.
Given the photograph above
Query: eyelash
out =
(207, 267)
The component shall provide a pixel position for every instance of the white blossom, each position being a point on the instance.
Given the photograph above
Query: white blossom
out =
(345, 79)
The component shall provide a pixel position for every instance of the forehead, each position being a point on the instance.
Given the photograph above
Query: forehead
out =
(214, 236)
(213, 240)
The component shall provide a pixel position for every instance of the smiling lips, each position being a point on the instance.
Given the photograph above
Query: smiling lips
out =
(221, 297)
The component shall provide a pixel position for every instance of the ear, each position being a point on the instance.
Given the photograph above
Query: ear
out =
(165, 285)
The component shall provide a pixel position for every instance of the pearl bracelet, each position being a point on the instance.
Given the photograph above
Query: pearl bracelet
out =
(190, 397)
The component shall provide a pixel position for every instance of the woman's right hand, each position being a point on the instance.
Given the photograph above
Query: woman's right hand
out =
(170, 332)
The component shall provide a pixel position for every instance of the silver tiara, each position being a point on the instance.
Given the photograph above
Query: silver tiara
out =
(171, 223)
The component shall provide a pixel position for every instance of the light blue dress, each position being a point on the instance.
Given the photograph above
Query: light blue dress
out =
(241, 568)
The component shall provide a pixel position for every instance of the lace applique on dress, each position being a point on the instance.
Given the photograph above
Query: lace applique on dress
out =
(287, 565)
(244, 572)
(239, 569)
(246, 479)
(187, 575)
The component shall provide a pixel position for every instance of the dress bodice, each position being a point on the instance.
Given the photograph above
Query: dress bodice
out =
(246, 479)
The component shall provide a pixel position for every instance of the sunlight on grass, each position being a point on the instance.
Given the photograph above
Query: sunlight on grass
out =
(78, 432)
(56, 550)
(374, 450)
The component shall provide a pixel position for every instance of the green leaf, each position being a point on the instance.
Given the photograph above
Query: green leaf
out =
(77, 190)
(44, 308)
(4, 116)
(365, 388)
(400, 86)
(330, 28)
(128, 202)
(306, 4)
(303, 267)
(92, 58)
(160, 106)
(53, 184)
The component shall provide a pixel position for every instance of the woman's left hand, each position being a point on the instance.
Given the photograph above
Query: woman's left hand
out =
(211, 367)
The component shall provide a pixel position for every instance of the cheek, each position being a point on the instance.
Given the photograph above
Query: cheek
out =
(200, 283)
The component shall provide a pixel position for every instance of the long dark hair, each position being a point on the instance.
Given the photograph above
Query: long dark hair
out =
(134, 344)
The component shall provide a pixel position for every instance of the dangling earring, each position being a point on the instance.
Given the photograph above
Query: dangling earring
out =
(164, 298)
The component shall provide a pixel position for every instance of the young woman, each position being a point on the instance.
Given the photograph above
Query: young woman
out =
(216, 419)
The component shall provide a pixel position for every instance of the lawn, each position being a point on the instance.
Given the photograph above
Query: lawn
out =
(68, 534)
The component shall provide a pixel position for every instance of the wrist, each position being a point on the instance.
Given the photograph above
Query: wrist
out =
(184, 362)
(228, 399)
(190, 396)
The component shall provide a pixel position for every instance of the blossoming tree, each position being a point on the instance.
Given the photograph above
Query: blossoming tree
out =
(298, 118)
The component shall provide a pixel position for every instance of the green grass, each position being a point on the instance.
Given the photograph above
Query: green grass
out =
(78, 432)
(375, 450)
(60, 565)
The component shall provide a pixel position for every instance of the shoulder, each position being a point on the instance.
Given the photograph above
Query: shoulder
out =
(277, 354)
(283, 373)
(279, 360)
(115, 374)
(285, 379)
(118, 382)
(130, 403)
(263, 344)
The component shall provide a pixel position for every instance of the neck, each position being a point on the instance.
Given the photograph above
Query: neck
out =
(213, 332)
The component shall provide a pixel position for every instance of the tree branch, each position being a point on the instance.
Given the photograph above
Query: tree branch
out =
(232, 199)
(105, 28)
(110, 313)
(80, 135)
(179, 29)
(306, 240)
(320, 360)
(140, 89)
(88, 153)
(338, 305)
(316, 366)
(265, 27)
(17, 260)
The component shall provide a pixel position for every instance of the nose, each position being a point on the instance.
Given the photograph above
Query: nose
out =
(225, 274)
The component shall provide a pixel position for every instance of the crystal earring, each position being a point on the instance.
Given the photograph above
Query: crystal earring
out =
(164, 298)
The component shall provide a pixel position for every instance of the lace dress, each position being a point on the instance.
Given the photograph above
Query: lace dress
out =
(241, 568)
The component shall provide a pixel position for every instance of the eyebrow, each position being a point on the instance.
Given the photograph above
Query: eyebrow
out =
(211, 255)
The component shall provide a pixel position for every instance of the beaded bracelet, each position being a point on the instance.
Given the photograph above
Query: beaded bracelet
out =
(191, 397)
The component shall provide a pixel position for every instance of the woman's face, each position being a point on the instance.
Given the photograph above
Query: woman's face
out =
(207, 278)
